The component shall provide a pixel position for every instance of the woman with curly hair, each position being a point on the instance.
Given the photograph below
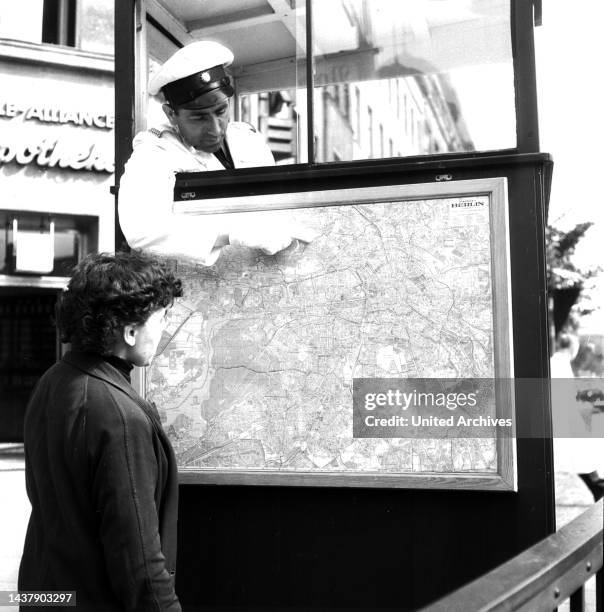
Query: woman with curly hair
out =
(100, 471)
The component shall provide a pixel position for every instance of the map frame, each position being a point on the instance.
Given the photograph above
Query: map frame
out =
(504, 478)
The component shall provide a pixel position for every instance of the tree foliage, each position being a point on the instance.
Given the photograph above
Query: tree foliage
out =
(566, 282)
(561, 271)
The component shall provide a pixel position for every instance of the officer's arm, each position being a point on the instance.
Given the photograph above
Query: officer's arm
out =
(147, 219)
(146, 197)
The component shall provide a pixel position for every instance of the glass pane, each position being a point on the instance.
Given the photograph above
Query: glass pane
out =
(160, 48)
(22, 20)
(28, 347)
(267, 38)
(69, 233)
(95, 25)
(276, 114)
(66, 252)
(410, 78)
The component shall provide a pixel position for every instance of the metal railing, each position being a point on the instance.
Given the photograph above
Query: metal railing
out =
(542, 577)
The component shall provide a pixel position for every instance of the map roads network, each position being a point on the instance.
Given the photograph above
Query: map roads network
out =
(258, 370)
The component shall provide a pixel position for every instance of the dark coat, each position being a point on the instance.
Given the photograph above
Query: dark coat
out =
(102, 481)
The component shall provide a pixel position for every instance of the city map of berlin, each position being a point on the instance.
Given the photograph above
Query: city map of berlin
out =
(258, 372)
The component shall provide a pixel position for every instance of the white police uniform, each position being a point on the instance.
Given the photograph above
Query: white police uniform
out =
(146, 194)
(146, 191)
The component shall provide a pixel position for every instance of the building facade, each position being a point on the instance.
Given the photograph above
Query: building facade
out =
(56, 170)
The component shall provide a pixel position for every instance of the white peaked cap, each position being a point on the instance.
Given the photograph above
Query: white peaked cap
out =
(191, 59)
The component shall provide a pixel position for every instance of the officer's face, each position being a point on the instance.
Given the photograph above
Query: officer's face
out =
(203, 123)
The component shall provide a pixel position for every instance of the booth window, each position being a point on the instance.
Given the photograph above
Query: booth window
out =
(450, 60)
(435, 76)
(83, 24)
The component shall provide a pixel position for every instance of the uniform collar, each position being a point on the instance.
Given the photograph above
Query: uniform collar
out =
(165, 127)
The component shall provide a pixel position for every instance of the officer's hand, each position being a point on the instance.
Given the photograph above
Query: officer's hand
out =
(268, 232)
(270, 245)
(302, 232)
(267, 242)
(284, 234)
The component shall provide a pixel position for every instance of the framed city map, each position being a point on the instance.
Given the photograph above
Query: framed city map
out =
(256, 374)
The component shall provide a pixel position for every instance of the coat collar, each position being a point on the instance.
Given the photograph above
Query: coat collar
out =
(97, 367)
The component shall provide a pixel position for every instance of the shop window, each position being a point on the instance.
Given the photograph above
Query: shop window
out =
(58, 23)
(22, 20)
(24, 238)
(95, 26)
(28, 347)
(84, 24)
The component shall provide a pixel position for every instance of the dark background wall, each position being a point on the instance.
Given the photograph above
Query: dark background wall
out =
(283, 548)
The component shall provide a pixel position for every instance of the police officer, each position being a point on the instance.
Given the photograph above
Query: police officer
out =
(196, 136)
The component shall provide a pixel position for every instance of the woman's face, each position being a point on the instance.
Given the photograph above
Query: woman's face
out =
(147, 337)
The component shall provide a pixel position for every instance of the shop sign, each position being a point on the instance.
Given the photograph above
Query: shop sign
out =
(51, 114)
(68, 149)
(57, 152)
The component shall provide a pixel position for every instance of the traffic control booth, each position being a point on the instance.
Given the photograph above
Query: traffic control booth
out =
(319, 468)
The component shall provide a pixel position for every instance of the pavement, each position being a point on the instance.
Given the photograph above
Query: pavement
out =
(14, 515)
(572, 498)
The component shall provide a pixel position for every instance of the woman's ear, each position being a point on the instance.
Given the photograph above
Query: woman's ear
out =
(130, 334)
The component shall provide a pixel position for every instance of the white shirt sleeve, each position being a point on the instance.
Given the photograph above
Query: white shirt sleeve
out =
(145, 207)
(146, 201)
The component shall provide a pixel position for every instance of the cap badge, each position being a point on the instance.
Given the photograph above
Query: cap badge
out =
(205, 77)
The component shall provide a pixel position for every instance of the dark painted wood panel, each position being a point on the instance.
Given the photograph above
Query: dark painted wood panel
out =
(305, 548)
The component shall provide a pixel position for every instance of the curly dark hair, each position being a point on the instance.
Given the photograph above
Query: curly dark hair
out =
(108, 291)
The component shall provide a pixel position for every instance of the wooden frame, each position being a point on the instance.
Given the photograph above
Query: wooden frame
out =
(495, 189)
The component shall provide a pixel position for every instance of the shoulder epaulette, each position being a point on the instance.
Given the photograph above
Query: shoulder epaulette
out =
(157, 133)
